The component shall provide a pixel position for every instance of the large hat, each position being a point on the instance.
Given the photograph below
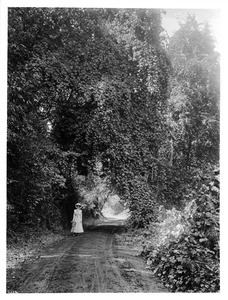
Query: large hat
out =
(78, 204)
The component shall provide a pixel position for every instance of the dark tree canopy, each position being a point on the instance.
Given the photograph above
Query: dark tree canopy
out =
(88, 84)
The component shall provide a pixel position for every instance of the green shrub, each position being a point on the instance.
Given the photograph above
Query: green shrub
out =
(190, 262)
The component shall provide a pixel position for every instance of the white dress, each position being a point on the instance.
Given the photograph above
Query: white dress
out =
(77, 221)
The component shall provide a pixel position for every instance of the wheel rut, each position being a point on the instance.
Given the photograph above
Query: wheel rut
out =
(89, 263)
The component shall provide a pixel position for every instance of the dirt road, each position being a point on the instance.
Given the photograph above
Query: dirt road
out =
(89, 263)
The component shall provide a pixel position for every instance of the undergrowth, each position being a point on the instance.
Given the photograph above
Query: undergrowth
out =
(182, 248)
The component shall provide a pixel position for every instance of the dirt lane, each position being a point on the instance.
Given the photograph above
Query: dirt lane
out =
(90, 263)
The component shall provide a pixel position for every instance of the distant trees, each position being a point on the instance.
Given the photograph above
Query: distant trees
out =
(191, 141)
(193, 112)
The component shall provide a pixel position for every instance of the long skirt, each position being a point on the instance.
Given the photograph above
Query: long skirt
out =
(77, 227)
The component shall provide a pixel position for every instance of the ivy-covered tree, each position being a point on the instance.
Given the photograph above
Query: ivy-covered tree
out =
(116, 113)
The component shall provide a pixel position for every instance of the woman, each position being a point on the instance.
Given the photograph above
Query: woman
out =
(77, 220)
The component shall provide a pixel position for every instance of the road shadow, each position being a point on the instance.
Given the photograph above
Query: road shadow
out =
(105, 225)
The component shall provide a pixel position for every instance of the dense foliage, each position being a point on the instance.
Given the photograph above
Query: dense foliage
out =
(191, 139)
(194, 102)
(115, 115)
(185, 253)
(188, 260)
(94, 84)
(88, 86)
